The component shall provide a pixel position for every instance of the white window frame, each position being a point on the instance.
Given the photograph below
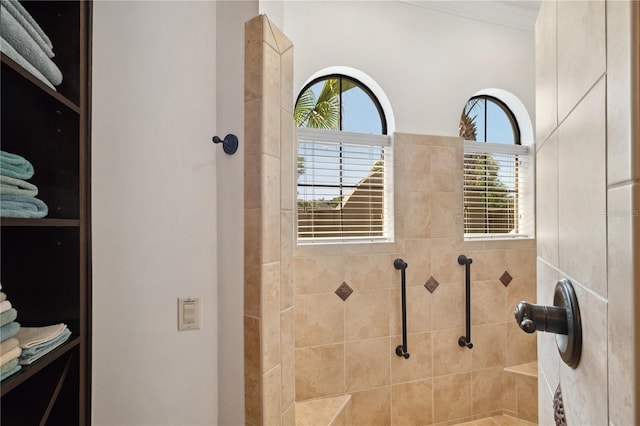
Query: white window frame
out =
(525, 194)
(310, 135)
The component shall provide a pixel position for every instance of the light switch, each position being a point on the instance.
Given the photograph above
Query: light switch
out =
(189, 313)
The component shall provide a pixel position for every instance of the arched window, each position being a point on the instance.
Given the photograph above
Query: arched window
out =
(498, 174)
(343, 187)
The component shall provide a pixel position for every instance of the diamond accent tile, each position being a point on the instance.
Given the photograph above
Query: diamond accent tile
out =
(506, 278)
(344, 291)
(431, 284)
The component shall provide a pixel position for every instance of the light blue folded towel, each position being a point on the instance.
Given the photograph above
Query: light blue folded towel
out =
(33, 353)
(8, 331)
(9, 185)
(11, 372)
(8, 366)
(8, 50)
(15, 166)
(28, 23)
(8, 316)
(25, 45)
(23, 206)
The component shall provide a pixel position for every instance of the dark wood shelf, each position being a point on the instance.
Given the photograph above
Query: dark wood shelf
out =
(16, 221)
(46, 262)
(27, 75)
(28, 371)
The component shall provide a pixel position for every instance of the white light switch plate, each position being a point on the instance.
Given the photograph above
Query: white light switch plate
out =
(189, 313)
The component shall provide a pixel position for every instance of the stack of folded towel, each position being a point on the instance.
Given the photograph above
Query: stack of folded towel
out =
(24, 41)
(17, 196)
(9, 345)
(38, 341)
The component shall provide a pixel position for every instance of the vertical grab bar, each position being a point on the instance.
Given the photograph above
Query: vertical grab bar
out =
(401, 350)
(466, 340)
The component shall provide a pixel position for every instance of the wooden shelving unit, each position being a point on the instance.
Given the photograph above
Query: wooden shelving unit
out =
(46, 263)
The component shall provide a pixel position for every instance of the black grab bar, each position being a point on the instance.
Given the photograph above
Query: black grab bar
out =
(466, 261)
(401, 350)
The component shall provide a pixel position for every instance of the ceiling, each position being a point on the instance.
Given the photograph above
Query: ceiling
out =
(519, 14)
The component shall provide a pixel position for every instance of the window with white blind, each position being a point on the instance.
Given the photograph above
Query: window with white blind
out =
(344, 164)
(498, 173)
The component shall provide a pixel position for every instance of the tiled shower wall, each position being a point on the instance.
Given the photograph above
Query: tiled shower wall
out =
(588, 202)
(268, 204)
(348, 346)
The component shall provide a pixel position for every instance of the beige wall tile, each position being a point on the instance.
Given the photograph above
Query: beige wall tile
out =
(487, 264)
(252, 154)
(451, 397)
(448, 356)
(623, 269)
(521, 263)
(367, 314)
(319, 371)
(581, 56)
(584, 389)
(287, 359)
(366, 364)
(412, 403)
(371, 272)
(286, 82)
(487, 391)
(448, 305)
(271, 102)
(527, 388)
(319, 274)
(413, 165)
(487, 301)
(623, 159)
(418, 257)
(289, 416)
(548, 357)
(419, 364)
(445, 172)
(546, 90)
(547, 200)
(509, 394)
(444, 261)
(581, 188)
(521, 346)
(281, 41)
(272, 404)
(319, 319)
(545, 403)
(253, 59)
(287, 240)
(489, 346)
(252, 371)
(270, 237)
(371, 407)
(446, 214)
(270, 319)
(416, 207)
(252, 262)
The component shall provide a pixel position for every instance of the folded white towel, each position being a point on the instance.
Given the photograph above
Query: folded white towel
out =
(8, 50)
(13, 353)
(32, 336)
(28, 23)
(5, 305)
(22, 42)
(8, 345)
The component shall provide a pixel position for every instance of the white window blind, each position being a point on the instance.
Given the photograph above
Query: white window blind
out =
(344, 187)
(498, 201)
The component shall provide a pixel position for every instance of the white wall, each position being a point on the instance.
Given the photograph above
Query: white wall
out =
(154, 212)
(428, 63)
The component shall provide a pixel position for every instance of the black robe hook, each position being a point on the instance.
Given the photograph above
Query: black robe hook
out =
(229, 144)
